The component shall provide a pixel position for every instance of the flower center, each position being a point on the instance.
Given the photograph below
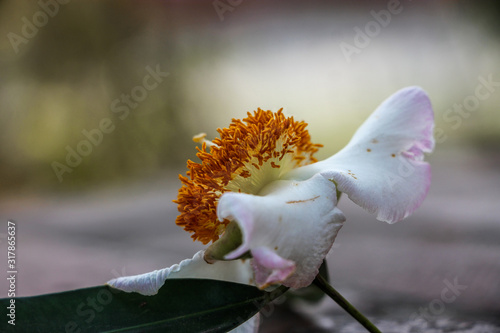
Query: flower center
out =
(249, 154)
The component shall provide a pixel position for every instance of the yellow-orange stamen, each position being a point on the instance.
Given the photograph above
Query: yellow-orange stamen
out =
(248, 155)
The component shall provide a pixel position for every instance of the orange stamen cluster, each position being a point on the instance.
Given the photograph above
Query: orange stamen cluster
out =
(254, 147)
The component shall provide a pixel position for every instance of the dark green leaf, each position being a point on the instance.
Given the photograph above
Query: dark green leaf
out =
(181, 305)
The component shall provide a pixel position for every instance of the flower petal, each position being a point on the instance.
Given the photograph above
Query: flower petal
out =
(382, 168)
(269, 267)
(288, 229)
(149, 283)
(233, 271)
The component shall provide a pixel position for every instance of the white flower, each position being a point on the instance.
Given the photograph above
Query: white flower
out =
(259, 193)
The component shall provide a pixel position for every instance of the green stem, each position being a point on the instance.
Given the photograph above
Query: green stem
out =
(344, 304)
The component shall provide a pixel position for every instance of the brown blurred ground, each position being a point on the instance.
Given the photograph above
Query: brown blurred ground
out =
(388, 271)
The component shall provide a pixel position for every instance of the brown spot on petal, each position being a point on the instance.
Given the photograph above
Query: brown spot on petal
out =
(374, 141)
(368, 150)
(300, 201)
(393, 155)
(353, 175)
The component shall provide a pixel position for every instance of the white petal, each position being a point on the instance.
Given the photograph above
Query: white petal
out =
(149, 283)
(289, 228)
(382, 168)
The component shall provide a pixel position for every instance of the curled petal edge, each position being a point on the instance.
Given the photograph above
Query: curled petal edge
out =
(382, 169)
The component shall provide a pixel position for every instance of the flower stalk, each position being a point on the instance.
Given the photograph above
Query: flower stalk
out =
(321, 283)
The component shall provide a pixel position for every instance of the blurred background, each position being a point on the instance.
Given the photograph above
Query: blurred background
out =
(99, 101)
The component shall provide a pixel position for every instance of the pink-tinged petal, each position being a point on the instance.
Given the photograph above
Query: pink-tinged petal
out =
(269, 267)
(382, 167)
(291, 224)
(149, 283)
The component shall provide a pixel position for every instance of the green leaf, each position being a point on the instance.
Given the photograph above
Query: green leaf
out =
(181, 305)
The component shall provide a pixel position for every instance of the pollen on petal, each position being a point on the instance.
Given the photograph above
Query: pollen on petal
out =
(249, 154)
